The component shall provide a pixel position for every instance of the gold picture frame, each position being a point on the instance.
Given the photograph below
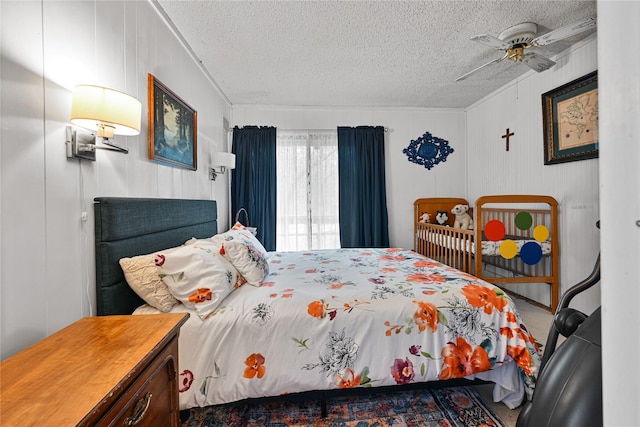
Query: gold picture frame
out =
(570, 119)
(173, 128)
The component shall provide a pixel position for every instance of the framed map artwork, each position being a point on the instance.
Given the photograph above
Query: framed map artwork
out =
(570, 118)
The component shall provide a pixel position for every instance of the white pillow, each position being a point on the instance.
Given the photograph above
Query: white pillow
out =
(245, 252)
(246, 233)
(199, 277)
(142, 275)
(239, 226)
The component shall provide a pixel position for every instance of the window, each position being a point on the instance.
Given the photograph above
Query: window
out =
(307, 187)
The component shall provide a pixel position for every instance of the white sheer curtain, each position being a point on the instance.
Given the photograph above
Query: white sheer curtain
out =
(307, 204)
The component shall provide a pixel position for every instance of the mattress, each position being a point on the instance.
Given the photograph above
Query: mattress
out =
(335, 319)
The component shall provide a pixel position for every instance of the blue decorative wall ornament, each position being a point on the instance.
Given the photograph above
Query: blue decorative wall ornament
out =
(428, 150)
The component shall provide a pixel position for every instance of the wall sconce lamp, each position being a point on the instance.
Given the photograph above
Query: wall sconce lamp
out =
(106, 111)
(222, 161)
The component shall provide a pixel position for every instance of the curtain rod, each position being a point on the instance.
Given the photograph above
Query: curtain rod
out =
(319, 130)
(309, 130)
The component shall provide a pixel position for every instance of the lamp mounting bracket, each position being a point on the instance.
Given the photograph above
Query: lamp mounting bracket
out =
(80, 144)
(83, 144)
(213, 173)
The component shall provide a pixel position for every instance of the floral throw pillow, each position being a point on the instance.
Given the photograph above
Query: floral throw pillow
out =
(245, 252)
(239, 226)
(199, 277)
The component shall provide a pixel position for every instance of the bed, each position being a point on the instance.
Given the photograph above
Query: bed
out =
(517, 236)
(324, 320)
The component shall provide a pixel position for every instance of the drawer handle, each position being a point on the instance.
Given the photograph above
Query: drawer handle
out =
(139, 411)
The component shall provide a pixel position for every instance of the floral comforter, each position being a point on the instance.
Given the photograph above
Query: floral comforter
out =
(344, 318)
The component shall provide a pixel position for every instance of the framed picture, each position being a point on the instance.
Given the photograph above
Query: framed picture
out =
(172, 128)
(570, 118)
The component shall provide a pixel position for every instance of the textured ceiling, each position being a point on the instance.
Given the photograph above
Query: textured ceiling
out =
(361, 53)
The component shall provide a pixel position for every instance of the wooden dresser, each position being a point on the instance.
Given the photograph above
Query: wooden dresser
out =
(99, 371)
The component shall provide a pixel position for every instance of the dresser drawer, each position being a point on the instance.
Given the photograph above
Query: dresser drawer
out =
(152, 399)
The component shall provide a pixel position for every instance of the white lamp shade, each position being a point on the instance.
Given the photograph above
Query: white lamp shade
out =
(228, 160)
(95, 105)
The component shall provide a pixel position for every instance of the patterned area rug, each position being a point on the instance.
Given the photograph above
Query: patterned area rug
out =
(445, 407)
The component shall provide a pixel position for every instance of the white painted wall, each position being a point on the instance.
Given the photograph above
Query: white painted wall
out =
(521, 170)
(619, 89)
(47, 269)
(406, 181)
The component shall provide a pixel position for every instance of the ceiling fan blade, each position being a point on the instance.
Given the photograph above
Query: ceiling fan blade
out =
(490, 41)
(537, 62)
(495, 61)
(564, 32)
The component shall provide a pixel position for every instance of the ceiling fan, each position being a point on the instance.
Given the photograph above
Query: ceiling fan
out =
(515, 42)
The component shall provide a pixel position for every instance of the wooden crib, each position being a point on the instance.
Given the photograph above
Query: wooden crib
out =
(517, 236)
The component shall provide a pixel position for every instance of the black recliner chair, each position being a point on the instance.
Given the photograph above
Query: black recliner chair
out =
(568, 392)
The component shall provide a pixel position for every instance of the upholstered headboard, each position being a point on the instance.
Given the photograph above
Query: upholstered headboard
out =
(127, 227)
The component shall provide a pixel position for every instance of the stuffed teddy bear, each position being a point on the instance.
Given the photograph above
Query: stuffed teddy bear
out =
(463, 220)
(425, 218)
(442, 218)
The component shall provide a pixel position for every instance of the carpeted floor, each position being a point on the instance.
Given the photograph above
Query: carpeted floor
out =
(444, 407)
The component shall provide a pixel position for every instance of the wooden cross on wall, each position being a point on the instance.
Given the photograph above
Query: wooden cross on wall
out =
(506, 136)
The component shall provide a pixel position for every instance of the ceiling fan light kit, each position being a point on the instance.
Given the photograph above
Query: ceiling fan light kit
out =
(515, 41)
